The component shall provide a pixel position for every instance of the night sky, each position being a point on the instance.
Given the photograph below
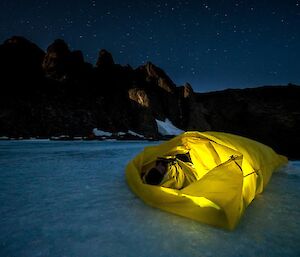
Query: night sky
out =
(211, 44)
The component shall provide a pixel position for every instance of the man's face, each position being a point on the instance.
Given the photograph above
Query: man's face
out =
(161, 168)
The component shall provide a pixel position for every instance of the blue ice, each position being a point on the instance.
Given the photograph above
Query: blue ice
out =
(71, 199)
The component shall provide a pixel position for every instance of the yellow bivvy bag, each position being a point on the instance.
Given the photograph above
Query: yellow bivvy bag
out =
(230, 171)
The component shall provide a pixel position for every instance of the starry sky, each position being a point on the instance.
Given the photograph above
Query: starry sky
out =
(213, 44)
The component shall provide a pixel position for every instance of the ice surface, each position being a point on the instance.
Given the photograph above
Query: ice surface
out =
(71, 199)
(167, 128)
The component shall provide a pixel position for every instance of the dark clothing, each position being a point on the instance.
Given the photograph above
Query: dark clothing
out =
(153, 177)
(175, 176)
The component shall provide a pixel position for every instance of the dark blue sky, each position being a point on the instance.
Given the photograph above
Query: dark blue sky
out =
(211, 44)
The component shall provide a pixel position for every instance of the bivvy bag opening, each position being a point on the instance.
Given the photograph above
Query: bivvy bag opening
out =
(223, 175)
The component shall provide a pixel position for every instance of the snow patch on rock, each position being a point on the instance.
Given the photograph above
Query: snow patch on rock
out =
(135, 134)
(100, 133)
(166, 128)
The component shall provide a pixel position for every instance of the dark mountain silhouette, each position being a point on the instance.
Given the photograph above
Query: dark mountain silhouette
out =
(58, 93)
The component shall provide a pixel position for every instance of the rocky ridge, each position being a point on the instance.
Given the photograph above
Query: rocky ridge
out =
(57, 93)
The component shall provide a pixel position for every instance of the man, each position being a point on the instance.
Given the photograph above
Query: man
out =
(171, 171)
(156, 174)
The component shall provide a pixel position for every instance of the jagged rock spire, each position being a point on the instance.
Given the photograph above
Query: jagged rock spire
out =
(158, 76)
(105, 59)
(56, 59)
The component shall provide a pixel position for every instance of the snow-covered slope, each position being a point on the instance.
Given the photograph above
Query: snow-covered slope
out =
(100, 133)
(135, 134)
(166, 128)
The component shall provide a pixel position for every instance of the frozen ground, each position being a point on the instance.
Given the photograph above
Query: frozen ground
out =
(71, 199)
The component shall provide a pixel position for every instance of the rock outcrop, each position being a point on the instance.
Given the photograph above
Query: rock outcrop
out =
(55, 63)
(157, 76)
(268, 114)
(105, 59)
(58, 93)
(20, 66)
(62, 64)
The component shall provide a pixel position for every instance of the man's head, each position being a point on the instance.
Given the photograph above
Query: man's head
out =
(156, 174)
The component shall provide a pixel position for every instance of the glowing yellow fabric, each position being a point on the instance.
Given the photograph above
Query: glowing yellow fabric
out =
(230, 171)
(179, 174)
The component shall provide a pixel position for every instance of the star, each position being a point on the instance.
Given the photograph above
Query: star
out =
(176, 35)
